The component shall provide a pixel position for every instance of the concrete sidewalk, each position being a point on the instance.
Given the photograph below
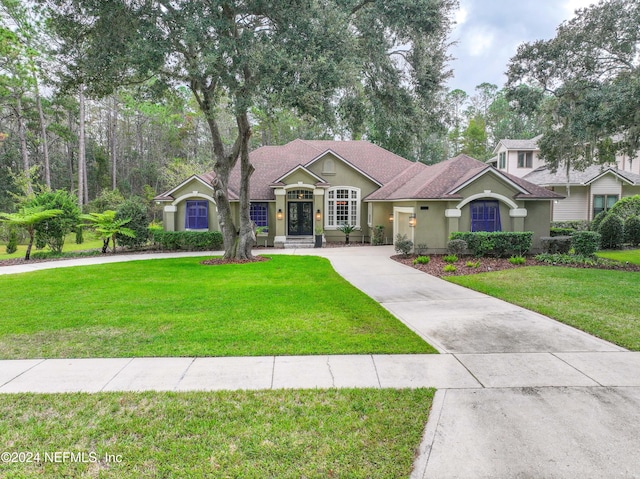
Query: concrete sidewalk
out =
(519, 395)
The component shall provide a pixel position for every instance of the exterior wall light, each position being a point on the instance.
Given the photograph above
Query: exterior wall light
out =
(318, 215)
(390, 217)
(279, 214)
(412, 220)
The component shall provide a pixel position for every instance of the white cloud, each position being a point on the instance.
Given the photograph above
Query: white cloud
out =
(479, 40)
(461, 15)
(570, 6)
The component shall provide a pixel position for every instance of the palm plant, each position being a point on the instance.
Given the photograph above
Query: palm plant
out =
(106, 227)
(346, 229)
(28, 218)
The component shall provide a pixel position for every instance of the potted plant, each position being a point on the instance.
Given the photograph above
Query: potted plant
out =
(319, 235)
(346, 229)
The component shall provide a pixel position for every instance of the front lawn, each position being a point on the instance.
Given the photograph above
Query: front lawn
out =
(604, 303)
(629, 255)
(178, 307)
(267, 434)
(90, 243)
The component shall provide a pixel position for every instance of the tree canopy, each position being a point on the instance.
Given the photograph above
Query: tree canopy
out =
(591, 72)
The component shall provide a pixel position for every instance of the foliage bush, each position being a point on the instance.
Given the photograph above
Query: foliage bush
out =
(500, 243)
(421, 249)
(450, 258)
(12, 245)
(457, 246)
(403, 245)
(612, 231)
(586, 243)
(626, 207)
(556, 244)
(134, 210)
(188, 240)
(79, 235)
(377, 235)
(449, 268)
(422, 260)
(554, 232)
(595, 223)
(51, 232)
(473, 264)
(108, 199)
(517, 260)
(632, 230)
(560, 258)
(574, 225)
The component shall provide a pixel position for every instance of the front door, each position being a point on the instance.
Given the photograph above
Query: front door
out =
(300, 218)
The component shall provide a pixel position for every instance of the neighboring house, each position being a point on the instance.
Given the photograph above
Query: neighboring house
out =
(587, 192)
(304, 186)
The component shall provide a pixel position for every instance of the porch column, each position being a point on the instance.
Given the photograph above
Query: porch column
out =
(169, 219)
(280, 234)
(453, 215)
(318, 205)
(517, 218)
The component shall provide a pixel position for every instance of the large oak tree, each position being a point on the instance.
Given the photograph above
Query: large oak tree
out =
(307, 55)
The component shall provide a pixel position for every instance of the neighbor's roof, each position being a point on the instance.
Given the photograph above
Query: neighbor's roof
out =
(531, 144)
(543, 176)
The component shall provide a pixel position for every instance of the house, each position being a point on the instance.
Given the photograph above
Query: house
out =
(586, 192)
(304, 186)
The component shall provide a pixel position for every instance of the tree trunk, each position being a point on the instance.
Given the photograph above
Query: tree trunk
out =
(22, 136)
(247, 236)
(43, 132)
(30, 245)
(81, 148)
(70, 154)
(113, 124)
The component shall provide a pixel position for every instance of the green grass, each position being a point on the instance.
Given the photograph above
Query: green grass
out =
(630, 255)
(69, 246)
(179, 307)
(601, 302)
(269, 434)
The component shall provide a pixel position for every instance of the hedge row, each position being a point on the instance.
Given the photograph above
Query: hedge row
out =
(188, 240)
(499, 243)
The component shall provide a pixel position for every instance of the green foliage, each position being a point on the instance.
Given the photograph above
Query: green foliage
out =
(556, 244)
(108, 199)
(107, 227)
(500, 243)
(377, 235)
(597, 219)
(517, 260)
(472, 264)
(457, 246)
(612, 231)
(632, 230)
(52, 231)
(403, 245)
(561, 231)
(451, 258)
(449, 268)
(626, 207)
(421, 249)
(188, 240)
(136, 212)
(28, 218)
(79, 235)
(586, 243)
(566, 259)
(422, 260)
(574, 225)
(12, 245)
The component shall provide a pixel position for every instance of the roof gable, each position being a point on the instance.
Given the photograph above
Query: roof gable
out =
(303, 169)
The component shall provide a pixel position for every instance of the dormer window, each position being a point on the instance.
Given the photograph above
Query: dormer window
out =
(525, 159)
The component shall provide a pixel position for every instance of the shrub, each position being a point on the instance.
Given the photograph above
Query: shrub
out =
(561, 232)
(595, 223)
(188, 240)
(450, 258)
(626, 207)
(499, 243)
(612, 232)
(12, 245)
(403, 244)
(473, 264)
(421, 249)
(422, 260)
(136, 212)
(565, 259)
(377, 235)
(108, 199)
(517, 260)
(557, 244)
(52, 232)
(79, 235)
(449, 268)
(585, 243)
(457, 246)
(575, 225)
(632, 230)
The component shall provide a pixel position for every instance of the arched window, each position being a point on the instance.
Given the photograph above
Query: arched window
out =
(342, 207)
(485, 215)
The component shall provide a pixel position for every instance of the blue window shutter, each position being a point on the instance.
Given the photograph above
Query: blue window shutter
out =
(197, 215)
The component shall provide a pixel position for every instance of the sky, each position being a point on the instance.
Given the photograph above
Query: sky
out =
(488, 33)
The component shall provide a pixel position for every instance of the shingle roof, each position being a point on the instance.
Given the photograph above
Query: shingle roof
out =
(545, 177)
(509, 144)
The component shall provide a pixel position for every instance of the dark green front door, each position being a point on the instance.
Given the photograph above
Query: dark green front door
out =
(300, 218)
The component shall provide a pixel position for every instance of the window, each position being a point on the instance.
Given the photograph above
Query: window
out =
(525, 159)
(299, 195)
(603, 203)
(259, 214)
(197, 217)
(502, 161)
(485, 216)
(343, 207)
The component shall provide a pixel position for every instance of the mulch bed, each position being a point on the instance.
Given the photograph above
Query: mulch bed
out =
(435, 267)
